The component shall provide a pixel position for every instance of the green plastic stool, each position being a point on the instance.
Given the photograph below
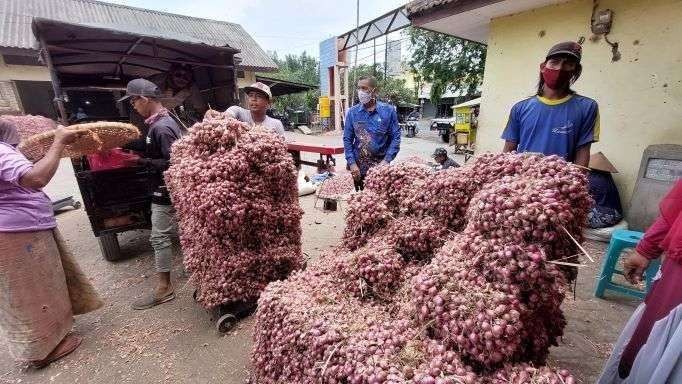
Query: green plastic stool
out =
(622, 239)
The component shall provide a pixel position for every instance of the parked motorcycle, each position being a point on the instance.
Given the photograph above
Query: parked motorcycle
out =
(412, 126)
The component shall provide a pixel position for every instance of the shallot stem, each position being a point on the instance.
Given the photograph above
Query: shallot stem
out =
(576, 243)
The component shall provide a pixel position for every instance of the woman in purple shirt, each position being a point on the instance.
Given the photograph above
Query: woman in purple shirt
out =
(35, 310)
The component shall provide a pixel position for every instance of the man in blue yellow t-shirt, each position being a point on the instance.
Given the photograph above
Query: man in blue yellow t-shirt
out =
(556, 121)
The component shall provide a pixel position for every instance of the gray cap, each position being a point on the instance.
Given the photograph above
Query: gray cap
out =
(141, 87)
(259, 87)
(440, 152)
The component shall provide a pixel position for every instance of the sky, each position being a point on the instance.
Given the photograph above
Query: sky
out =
(284, 26)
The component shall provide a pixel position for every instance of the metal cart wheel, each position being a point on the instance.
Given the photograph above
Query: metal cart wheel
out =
(77, 205)
(225, 323)
(108, 244)
(195, 295)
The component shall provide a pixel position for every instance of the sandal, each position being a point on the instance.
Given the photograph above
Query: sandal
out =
(68, 344)
(151, 301)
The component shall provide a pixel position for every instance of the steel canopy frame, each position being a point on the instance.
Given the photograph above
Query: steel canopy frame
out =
(382, 25)
(90, 48)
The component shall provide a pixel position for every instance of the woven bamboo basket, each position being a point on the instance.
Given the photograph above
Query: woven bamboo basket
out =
(30, 125)
(100, 136)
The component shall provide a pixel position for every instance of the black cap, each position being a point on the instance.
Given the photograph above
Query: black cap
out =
(440, 152)
(569, 48)
(141, 87)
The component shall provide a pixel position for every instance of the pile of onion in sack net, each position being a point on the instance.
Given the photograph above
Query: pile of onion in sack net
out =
(442, 277)
(235, 193)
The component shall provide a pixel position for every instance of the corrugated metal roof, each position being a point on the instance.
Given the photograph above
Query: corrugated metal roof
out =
(418, 6)
(16, 17)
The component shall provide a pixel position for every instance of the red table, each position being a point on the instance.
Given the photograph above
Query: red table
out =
(326, 153)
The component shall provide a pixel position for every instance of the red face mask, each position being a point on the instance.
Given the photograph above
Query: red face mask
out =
(556, 79)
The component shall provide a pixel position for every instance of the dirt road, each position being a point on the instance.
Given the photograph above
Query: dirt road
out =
(177, 342)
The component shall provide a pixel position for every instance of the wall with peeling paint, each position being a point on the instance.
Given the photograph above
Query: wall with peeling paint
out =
(640, 96)
(23, 72)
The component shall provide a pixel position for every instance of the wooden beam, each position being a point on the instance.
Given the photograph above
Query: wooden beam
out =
(58, 100)
(135, 56)
(131, 48)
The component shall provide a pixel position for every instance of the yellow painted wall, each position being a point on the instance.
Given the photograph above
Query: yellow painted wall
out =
(23, 72)
(408, 76)
(640, 96)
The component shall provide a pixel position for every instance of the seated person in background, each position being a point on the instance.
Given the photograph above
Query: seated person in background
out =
(259, 98)
(607, 210)
(440, 155)
(180, 94)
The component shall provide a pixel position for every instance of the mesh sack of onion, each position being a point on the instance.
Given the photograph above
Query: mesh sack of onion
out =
(422, 291)
(235, 193)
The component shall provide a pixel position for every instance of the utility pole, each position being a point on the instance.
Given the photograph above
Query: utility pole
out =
(357, 43)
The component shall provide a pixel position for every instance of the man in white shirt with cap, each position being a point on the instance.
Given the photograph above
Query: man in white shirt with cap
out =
(259, 98)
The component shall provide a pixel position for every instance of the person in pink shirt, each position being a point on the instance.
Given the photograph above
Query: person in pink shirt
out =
(649, 348)
(35, 308)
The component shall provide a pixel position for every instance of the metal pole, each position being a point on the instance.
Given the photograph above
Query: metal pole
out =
(56, 87)
(374, 67)
(386, 58)
(357, 42)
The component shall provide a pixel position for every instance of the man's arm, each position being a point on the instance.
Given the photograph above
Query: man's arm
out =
(348, 139)
(394, 146)
(279, 128)
(589, 133)
(234, 112)
(138, 145)
(512, 131)
(510, 146)
(165, 139)
(42, 171)
(582, 155)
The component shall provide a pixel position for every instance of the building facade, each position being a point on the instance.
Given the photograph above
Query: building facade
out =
(639, 95)
(25, 82)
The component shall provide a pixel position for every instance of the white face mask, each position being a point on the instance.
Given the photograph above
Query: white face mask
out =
(364, 96)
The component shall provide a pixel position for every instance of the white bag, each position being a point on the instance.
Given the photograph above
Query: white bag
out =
(304, 187)
(603, 234)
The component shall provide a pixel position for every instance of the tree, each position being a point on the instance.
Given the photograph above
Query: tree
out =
(390, 88)
(301, 68)
(446, 61)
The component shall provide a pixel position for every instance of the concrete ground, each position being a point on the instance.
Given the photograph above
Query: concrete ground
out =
(177, 342)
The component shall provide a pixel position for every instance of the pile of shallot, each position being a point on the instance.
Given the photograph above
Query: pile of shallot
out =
(336, 186)
(454, 276)
(235, 193)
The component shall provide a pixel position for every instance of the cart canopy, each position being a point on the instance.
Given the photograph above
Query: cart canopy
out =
(121, 52)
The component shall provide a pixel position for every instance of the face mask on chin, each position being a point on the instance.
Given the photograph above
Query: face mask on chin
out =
(556, 79)
(364, 97)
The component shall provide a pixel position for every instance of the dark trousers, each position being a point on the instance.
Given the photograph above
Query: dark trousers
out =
(359, 184)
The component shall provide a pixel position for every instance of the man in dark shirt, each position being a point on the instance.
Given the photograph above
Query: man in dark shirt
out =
(440, 155)
(156, 146)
